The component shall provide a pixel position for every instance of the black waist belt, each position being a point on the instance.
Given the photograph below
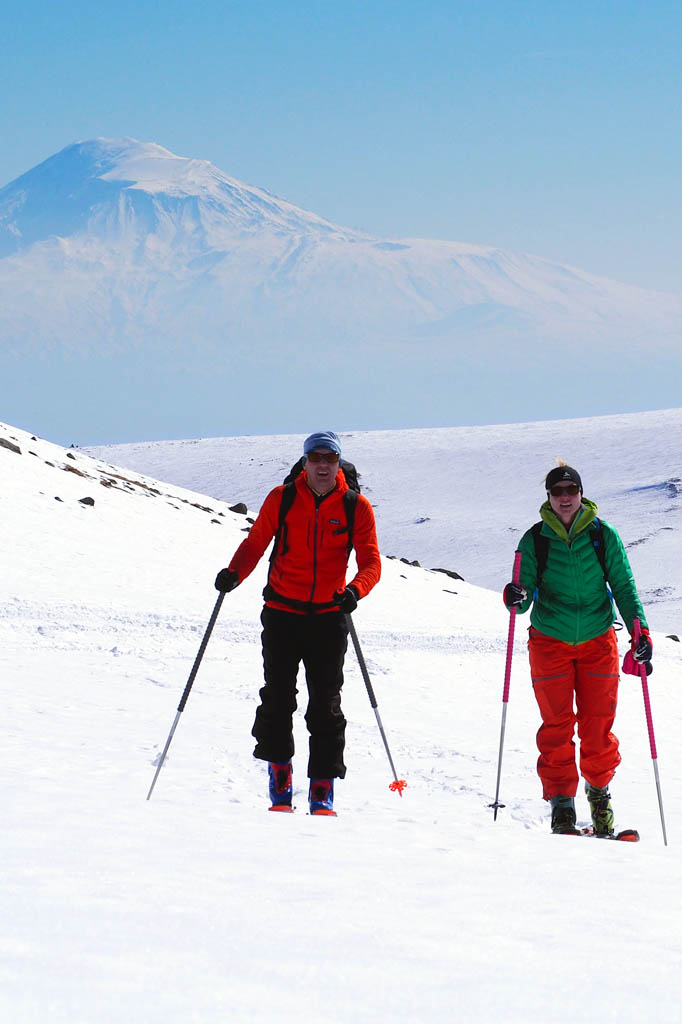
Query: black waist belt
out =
(310, 607)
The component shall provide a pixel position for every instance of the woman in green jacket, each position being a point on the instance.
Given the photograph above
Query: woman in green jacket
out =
(566, 562)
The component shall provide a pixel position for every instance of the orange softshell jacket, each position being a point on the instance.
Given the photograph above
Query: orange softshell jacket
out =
(312, 557)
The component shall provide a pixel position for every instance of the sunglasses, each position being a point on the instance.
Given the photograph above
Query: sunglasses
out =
(323, 457)
(557, 491)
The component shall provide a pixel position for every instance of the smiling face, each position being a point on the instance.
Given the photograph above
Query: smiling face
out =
(321, 472)
(565, 501)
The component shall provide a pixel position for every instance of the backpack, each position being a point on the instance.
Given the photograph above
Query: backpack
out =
(542, 547)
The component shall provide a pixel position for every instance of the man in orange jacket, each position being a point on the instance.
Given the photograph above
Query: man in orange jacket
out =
(304, 618)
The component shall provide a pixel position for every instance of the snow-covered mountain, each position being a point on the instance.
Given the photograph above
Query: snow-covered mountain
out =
(139, 228)
(120, 248)
(197, 905)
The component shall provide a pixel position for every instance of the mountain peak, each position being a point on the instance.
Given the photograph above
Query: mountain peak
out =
(88, 183)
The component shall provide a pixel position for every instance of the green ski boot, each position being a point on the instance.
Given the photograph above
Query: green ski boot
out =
(601, 809)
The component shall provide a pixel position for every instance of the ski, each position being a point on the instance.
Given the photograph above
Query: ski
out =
(626, 835)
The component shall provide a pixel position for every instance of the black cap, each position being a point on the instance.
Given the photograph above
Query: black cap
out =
(562, 473)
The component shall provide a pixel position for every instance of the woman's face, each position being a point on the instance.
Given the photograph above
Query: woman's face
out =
(564, 503)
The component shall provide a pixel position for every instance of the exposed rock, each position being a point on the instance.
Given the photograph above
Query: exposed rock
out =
(87, 501)
(451, 573)
(240, 507)
(11, 447)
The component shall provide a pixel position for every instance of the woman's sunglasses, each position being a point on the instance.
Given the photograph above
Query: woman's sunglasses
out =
(557, 491)
(323, 457)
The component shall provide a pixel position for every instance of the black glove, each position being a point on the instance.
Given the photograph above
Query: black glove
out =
(514, 594)
(347, 600)
(226, 580)
(644, 649)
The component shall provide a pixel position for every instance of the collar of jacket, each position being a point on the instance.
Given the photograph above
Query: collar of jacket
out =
(585, 517)
(303, 486)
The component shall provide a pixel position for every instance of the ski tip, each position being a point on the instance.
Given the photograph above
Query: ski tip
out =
(282, 807)
(628, 835)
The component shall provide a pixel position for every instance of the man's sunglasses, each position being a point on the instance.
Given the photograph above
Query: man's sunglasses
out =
(557, 491)
(323, 457)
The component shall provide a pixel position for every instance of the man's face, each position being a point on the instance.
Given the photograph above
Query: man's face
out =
(321, 472)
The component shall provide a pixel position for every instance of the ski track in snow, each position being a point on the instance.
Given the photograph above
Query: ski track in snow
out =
(197, 905)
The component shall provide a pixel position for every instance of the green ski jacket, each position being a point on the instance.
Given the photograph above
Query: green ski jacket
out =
(572, 603)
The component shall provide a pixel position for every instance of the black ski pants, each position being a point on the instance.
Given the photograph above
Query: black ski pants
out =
(320, 642)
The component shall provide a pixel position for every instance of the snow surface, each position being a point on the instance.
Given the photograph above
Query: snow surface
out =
(461, 497)
(200, 906)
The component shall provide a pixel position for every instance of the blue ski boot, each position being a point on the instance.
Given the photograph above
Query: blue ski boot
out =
(321, 796)
(563, 816)
(279, 776)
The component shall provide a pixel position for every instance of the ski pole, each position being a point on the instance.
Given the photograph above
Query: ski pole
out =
(516, 574)
(636, 633)
(398, 784)
(188, 687)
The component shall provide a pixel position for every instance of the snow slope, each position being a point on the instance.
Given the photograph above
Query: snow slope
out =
(461, 497)
(197, 905)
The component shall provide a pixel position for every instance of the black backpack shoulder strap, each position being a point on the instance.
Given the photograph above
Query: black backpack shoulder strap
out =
(288, 495)
(599, 543)
(350, 501)
(541, 550)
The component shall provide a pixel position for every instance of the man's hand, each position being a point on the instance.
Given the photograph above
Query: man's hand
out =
(226, 580)
(347, 600)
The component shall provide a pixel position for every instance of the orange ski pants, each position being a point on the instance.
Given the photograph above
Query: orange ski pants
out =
(575, 684)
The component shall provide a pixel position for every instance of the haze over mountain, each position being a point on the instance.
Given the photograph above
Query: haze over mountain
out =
(121, 264)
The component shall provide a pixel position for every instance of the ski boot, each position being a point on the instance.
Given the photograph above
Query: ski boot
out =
(321, 796)
(563, 816)
(280, 786)
(601, 809)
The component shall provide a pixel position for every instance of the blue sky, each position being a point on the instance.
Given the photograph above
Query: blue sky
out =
(548, 127)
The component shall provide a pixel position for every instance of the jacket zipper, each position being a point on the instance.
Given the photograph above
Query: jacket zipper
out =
(317, 518)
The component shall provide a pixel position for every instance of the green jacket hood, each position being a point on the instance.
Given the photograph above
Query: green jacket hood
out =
(587, 514)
